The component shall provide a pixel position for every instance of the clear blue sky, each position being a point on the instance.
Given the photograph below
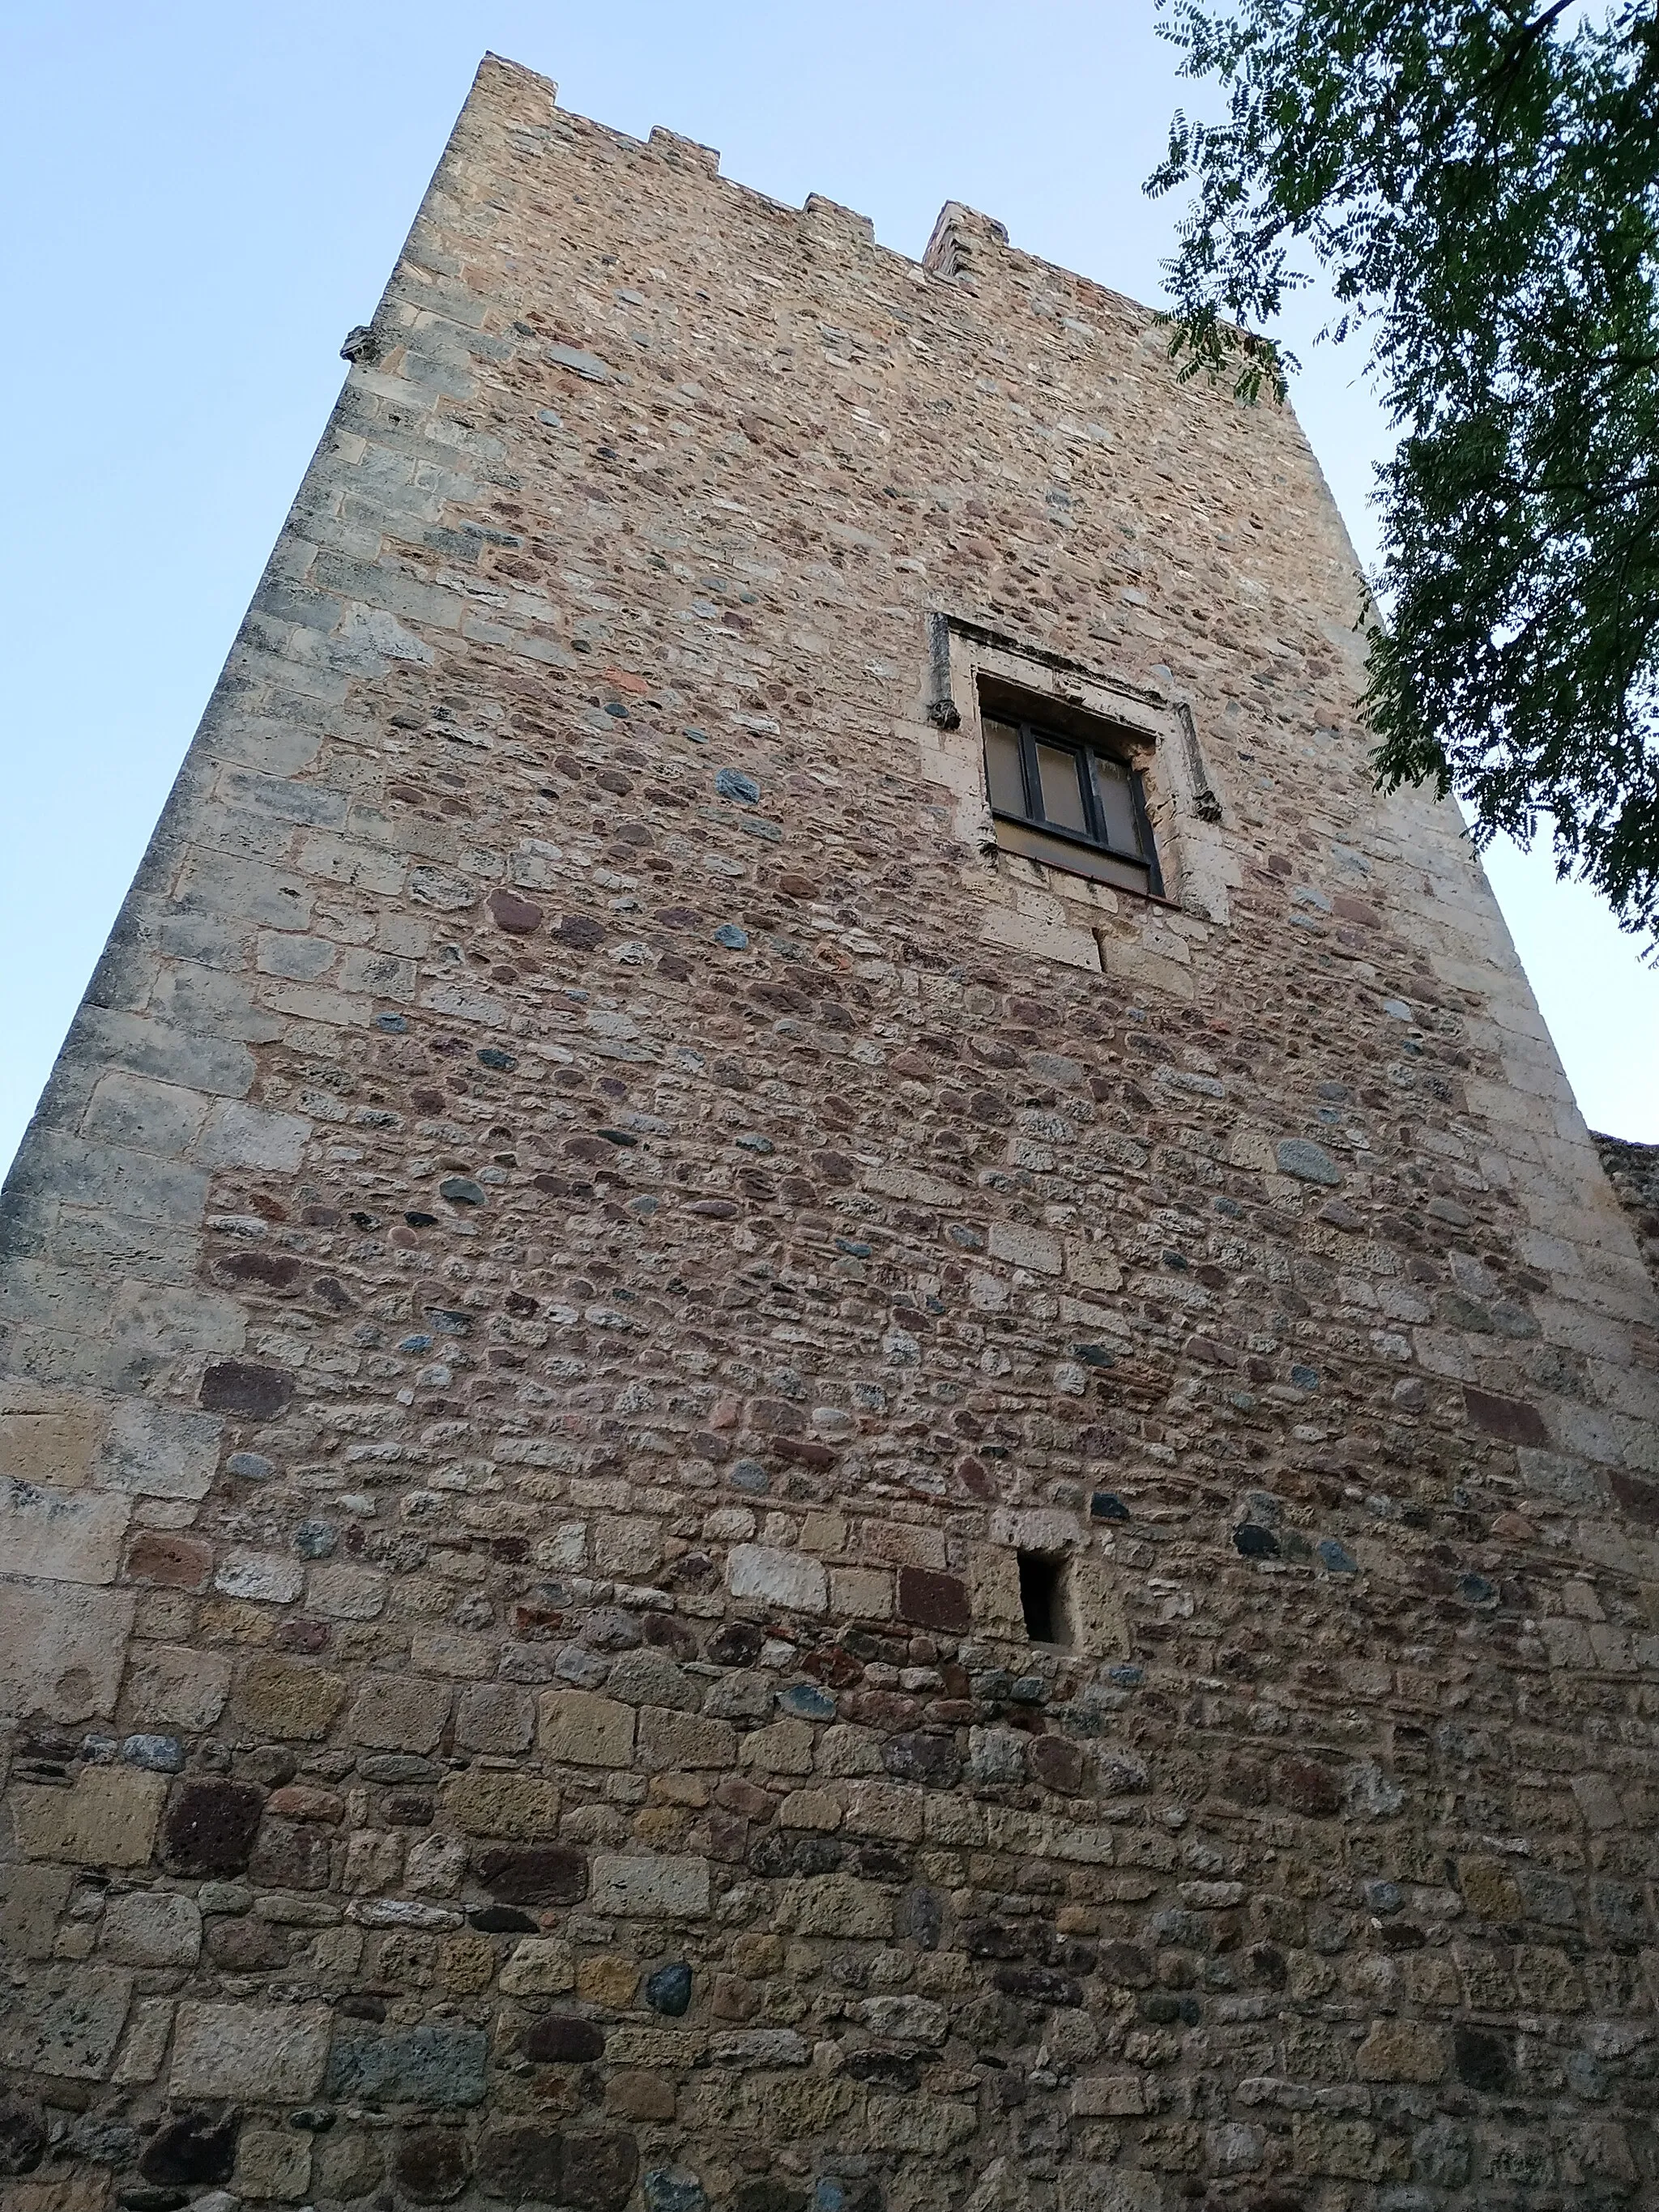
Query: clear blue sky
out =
(201, 200)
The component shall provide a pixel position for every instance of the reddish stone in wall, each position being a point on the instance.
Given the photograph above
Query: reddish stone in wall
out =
(934, 1600)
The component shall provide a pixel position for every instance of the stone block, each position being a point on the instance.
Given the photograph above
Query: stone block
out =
(790, 1579)
(108, 1818)
(169, 1560)
(260, 1578)
(153, 1928)
(263, 2053)
(211, 1824)
(932, 1599)
(532, 1874)
(399, 1713)
(143, 2052)
(1093, 1267)
(62, 1650)
(839, 1905)
(285, 1697)
(273, 2166)
(47, 1438)
(66, 2023)
(239, 1135)
(1085, 2188)
(1017, 1245)
(585, 1728)
(785, 1747)
(539, 1966)
(159, 1451)
(342, 1590)
(61, 1535)
(651, 1677)
(993, 1577)
(1041, 940)
(486, 1803)
(650, 1888)
(173, 1686)
(133, 1109)
(439, 2065)
(1403, 2051)
(494, 1717)
(677, 1742)
(31, 1899)
(860, 1592)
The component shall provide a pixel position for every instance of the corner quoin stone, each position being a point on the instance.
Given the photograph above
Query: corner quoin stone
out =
(717, 1494)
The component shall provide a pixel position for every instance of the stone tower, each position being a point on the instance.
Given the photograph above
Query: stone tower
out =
(817, 1396)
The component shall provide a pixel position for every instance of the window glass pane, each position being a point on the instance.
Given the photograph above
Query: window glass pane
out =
(1002, 773)
(1062, 791)
(1117, 807)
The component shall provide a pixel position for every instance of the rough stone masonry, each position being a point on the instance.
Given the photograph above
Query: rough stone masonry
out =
(716, 1494)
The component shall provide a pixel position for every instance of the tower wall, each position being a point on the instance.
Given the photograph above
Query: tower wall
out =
(589, 1217)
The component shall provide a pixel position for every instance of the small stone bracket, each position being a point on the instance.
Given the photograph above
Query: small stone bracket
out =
(942, 710)
(1202, 792)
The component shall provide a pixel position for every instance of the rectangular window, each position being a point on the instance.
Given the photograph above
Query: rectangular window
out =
(1068, 796)
(1042, 1597)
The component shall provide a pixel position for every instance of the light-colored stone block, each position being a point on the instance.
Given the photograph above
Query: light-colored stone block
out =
(791, 1579)
(61, 1535)
(173, 1687)
(47, 1438)
(153, 1928)
(519, 1807)
(159, 1451)
(267, 2053)
(65, 2022)
(1041, 939)
(260, 1578)
(650, 1888)
(540, 1965)
(61, 1648)
(399, 1713)
(585, 1728)
(239, 1135)
(107, 1818)
(1020, 1245)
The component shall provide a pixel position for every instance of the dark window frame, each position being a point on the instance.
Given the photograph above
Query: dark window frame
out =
(1031, 735)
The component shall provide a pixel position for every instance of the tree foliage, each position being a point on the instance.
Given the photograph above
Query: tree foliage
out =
(1478, 182)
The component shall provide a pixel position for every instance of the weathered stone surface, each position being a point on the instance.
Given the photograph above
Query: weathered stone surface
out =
(210, 1825)
(589, 1730)
(61, 1535)
(65, 2022)
(532, 1874)
(23, 2135)
(192, 2148)
(434, 2066)
(255, 2052)
(563, 2039)
(431, 2165)
(153, 1928)
(494, 1804)
(650, 1888)
(399, 1713)
(174, 1686)
(784, 1578)
(62, 1650)
(285, 1697)
(108, 1818)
